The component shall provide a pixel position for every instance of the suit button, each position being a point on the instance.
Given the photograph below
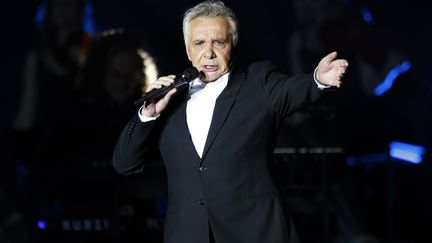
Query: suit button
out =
(201, 202)
(203, 169)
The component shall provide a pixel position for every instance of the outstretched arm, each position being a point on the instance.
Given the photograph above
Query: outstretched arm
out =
(330, 70)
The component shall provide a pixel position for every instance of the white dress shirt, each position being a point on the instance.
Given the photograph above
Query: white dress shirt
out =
(199, 109)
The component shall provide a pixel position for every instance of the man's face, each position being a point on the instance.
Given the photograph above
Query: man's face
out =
(209, 47)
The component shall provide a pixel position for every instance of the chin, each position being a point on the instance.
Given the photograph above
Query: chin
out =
(208, 80)
(213, 77)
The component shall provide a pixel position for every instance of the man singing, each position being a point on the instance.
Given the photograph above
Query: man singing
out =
(216, 138)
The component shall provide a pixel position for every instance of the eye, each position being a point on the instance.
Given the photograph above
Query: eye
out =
(198, 43)
(219, 42)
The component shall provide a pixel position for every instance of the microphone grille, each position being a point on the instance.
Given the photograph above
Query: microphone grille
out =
(190, 73)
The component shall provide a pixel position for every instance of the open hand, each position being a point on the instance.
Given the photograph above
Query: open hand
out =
(331, 70)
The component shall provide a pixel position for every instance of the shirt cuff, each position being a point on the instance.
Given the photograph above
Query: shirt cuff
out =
(146, 118)
(320, 85)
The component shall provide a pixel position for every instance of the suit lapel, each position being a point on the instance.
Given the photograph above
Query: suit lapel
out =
(223, 107)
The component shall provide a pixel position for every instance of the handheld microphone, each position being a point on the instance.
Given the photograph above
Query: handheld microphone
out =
(180, 80)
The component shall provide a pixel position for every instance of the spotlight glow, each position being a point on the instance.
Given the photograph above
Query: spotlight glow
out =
(367, 15)
(407, 152)
(390, 78)
(41, 224)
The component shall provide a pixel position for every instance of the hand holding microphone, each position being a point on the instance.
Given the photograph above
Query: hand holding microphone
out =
(162, 89)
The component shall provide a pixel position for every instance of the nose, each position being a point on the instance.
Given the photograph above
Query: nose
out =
(208, 52)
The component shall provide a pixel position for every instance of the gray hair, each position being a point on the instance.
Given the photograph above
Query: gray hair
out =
(211, 9)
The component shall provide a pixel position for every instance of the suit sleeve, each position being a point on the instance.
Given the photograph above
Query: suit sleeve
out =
(136, 146)
(287, 94)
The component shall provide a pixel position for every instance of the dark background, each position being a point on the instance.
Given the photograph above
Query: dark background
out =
(347, 190)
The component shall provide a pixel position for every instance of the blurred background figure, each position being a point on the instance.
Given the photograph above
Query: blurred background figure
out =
(51, 69)
(117, 72)
(383, 99)
(48, 94)
(40, 126)
(320, 26)
(313, 126)
(303, 43)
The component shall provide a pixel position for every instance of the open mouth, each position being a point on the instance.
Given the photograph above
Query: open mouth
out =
(210, 68)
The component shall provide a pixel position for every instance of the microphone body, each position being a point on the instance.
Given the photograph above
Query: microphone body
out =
(180, 80)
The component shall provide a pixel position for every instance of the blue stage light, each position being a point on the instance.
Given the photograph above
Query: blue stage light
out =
(366, 159)
(88, 20)
(40, 14)
(89, 25)
(367, 15)
(41, 224)
(390, 78)
(407, 152)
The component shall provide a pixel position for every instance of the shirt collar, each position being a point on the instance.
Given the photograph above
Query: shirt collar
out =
(198, 84)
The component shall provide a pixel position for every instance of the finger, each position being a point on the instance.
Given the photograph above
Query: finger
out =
(168, 96)
(148, 109)
(342, 63)
(345, 63)
(162, 81)
(330, 57)
(154, 85)
(337, 83)
(160, 106)
(167, 78)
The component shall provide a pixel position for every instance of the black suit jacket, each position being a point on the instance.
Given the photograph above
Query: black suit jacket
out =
(230, 187)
